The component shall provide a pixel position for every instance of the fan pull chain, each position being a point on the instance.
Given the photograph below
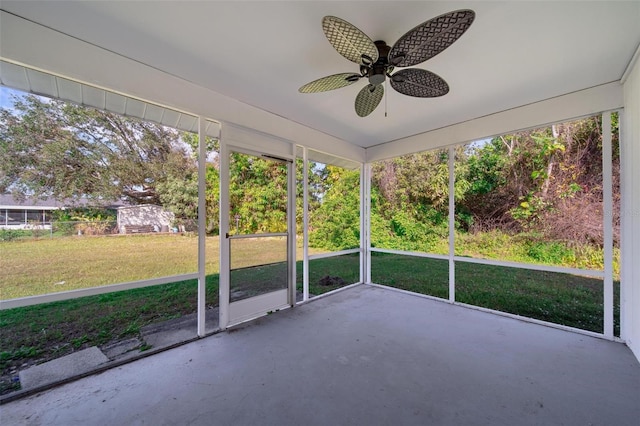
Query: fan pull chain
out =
(386, 90)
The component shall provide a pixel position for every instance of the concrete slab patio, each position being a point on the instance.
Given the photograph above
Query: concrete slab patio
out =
(366, 355)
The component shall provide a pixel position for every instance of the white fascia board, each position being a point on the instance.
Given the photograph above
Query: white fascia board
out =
(33, 45)
(582, 103)
(29, 208)
(255, 140)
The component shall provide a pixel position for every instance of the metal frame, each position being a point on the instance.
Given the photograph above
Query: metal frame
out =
(224, 273)
(606, 274)
(305, 232)
(273, 234)
(200, 275)
(536, 267)
(291, 225)
(92, 291)
(626, 160)
(232, 313)
(504, 314)
(305, 225)
(607, 224)
(334, 254)
(365, 223)
(202, 225)
(411, 253)
(452, 222)
(573, 104)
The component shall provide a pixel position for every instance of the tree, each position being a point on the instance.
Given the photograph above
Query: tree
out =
(179, 194)
(546, 181)
(336, 222)
(257, 194)
(50, 148)
(409, 202)
(414, 179)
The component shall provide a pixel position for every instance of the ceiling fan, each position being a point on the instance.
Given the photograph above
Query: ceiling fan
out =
(377, 60)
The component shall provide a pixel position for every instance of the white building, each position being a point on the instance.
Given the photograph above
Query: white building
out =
(27, 213)
(144, 218)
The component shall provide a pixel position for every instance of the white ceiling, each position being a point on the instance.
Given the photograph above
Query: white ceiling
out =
(260, 53)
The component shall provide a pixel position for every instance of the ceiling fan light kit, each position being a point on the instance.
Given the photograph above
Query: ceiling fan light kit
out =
(377, 60)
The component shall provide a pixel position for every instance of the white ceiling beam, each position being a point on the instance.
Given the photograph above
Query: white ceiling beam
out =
(562, 108)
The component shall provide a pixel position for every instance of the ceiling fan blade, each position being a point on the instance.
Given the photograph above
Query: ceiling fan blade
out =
(330, 82)
(430, 38)
(419, 83)
(349, 41)
(368, 99)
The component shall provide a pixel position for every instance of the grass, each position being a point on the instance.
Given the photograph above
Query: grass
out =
(39, 333)
(345, 270)
(411, 273)
(32, 267)
(570, 300)
(346, 267)
(51, 265)
(35, 334)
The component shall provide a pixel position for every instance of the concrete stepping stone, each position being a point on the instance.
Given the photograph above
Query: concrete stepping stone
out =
(62, 368)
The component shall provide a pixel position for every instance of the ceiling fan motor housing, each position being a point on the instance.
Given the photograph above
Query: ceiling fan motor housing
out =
(377, 74)
(378, 71)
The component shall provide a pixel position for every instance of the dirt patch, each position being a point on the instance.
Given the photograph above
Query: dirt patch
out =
(328, 281)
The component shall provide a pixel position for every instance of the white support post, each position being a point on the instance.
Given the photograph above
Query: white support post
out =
(452, 265)
(365, 222)
(224, 229)
(625, 164)
(607, 226)
(291, 226)
(202, 225)
(368, 219)
(363, 230)
(305, 225)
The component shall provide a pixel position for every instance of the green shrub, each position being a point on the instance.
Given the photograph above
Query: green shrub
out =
(403, 231)
(550, 252)
(493, 244)
(591, 257)
(13, 234)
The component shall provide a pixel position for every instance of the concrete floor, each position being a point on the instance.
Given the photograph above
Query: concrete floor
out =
(364, 356)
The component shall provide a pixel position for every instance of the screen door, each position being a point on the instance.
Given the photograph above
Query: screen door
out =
(257, 258)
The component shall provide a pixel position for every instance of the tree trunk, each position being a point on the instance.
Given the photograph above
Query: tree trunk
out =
(552, 157)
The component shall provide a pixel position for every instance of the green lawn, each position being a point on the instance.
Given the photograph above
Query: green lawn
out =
(571, 300)
(38, 333)
(31, 267)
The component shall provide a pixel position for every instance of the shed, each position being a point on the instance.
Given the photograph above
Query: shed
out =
(144, 218)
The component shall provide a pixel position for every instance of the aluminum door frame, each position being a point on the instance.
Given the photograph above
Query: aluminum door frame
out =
(232, 313)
